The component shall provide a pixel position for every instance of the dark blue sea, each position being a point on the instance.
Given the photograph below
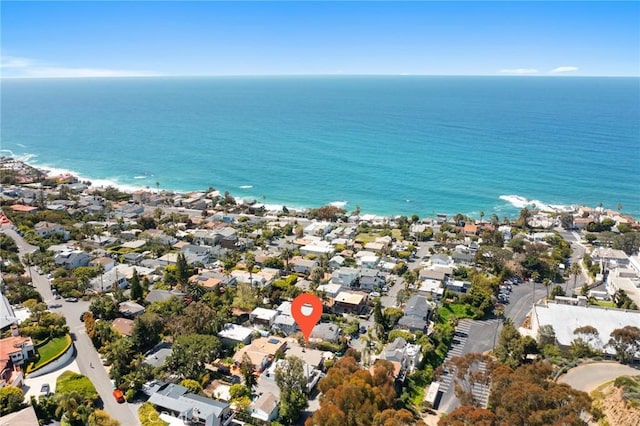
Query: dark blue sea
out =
(391, 145)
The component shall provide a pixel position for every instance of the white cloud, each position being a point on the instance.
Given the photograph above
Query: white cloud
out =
(563, 69)
(58, 72)
(14, 62)
(16, 67)
(519, 71)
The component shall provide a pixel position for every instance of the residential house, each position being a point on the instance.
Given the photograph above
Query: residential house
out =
(349, 302)
(431, 288)
(336, 262)
(346, 277)
(191, 408)
(158, 355)
(371, 280)
(408, 355)
(304, 266)
(462, 258)
(318, 248)
(229, 239)
(610, 258)
(441, 260)
(263, 317)
(286, 324)
(47, 229)
(265, 407)
(261, 351)
(196, 253)
(416, 314)
(14, 352)
(106, 263)
(457, 286)
(123, 326)
(470, 229)
(7, 315)
(325, 331)
(130, 309)
(233, 334)
(132, 258)
(330, 290)
(72, 259)
(205, 281)
(162, 295)
(432, 274)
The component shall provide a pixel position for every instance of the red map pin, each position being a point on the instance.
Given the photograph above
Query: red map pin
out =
(306, 309)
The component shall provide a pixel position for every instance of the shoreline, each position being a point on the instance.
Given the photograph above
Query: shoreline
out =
(513, 201)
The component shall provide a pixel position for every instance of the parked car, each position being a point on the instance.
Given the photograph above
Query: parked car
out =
(45, 389)
(375, 294)
(71, 299)
(54, 306)
(118, 395)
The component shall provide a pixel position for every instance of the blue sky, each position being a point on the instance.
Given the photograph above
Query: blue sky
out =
(67, 39)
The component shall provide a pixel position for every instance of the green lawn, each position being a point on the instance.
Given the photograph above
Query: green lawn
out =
(70, 381)
(51, 349)
(605, 304)
(459, 310)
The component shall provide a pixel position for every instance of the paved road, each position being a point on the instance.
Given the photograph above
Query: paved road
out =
(589, 376)
(87, 356)
(577, 255)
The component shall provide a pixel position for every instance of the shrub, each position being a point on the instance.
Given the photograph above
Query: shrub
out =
(149, 416)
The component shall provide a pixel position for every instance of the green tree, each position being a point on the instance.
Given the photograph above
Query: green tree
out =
(292, 381)
(191, 353)
(510, 349)
(74, 407)
(193, 385)
(136, 287)
(247, 371)
(11, 399)
(146, 331)
(103, 307)
(626, 342)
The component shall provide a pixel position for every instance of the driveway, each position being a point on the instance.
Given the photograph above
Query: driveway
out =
(32, 385)
(588, 377)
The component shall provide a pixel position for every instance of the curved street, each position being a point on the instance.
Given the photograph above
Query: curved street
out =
(87, 356)
(588, 377)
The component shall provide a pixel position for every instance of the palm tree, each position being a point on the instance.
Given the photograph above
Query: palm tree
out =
(547, 283)
(574, 270)
(73, 406)
(481, 215)
(286, 254)
(250, 262)
(158, 186)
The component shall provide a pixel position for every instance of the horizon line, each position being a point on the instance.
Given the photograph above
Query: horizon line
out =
(506, 75)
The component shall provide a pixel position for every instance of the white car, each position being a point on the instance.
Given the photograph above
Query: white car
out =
(375, 294)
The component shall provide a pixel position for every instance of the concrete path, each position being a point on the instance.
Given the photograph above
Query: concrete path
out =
(588, 377)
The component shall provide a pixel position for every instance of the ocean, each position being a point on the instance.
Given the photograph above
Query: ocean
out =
(388, 144)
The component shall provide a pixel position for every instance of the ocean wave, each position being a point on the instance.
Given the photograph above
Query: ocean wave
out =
(521, 202)
(95, 183)
(140, 177)
(21, 145)
(338, 204)
(246, 186)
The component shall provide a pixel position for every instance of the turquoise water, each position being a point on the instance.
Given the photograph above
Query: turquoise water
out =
(392, 145)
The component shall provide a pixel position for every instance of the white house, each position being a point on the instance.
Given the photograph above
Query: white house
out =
(408, 355)
(265, 407)
(72, 259)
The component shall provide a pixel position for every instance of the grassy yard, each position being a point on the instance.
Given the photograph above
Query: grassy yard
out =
(459, 310)
(51, 349)
(70, 381)
(605, 304)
